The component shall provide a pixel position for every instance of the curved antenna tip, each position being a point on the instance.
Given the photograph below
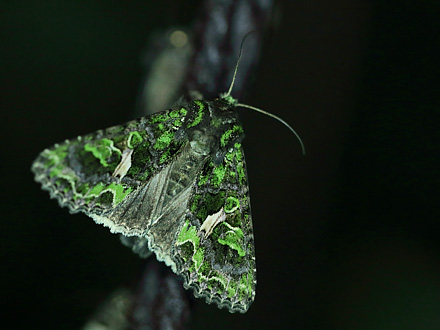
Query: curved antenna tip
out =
(228, 97)
(277, 118)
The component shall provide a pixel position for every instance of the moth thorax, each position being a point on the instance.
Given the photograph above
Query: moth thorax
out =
(201, 143)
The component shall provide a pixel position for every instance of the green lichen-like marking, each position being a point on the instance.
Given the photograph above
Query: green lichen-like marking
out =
(175, 113)
(227, 135)
(199, 116)
(235, 153)
(232, 204)
(164, 140)
(233, 238)
(210, 205)
(241, 174)
(242, 288)
(159, 118)
(102, 150)
(178, 115)
(144, 176)
(82, 190)
(134, 138)
(140, 157)
(119, 193)
(203, 180)
(66, 176)
(245, 286)
(116, 189)
(234, 287)
(238, 153)
(206, 173)
(195, 203)
(55, 156)
(188, 234)
(230, 156)
(198, 257)
(56, 170)
(165, 156)
(96, 190)
(218, 175)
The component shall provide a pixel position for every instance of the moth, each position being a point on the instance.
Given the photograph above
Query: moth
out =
(174, 184)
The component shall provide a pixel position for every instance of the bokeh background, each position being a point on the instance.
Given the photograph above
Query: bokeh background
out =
(346, 237)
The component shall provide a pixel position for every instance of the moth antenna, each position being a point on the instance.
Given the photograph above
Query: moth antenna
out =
(228, 94)
(236, 65)
(277, 118)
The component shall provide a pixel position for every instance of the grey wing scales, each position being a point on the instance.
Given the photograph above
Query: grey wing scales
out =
(155, 211)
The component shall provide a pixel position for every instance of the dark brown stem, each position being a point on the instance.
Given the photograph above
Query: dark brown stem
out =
(161, 301)
(218, 33)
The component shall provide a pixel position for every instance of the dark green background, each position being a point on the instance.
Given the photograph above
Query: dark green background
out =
(346, 237)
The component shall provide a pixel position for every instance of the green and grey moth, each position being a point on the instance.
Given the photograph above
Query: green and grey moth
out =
(173, 183)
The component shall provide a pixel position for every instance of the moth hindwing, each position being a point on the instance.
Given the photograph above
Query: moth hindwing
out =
(173, 183)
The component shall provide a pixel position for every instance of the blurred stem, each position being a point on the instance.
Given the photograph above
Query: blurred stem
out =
(218, 32)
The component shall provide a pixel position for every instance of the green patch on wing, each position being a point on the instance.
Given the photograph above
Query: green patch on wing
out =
(209, 204)
(188, 240)
(232, 204)
(218, 174)
(191, 250)
(167, 115)
(234, 239)
(200, 113)
(134, 138)
(164, 140)
(231, 134)
(141, 167)
(188, 233)
(102, 150)
(55, 156)
(118, 191)
(230, 171)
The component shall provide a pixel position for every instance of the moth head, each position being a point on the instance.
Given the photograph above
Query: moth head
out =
(225, 103)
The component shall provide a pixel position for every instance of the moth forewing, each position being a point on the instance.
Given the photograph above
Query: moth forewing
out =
(220, 266)
(176, 182)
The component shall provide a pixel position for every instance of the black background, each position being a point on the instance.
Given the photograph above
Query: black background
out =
(346, 237)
